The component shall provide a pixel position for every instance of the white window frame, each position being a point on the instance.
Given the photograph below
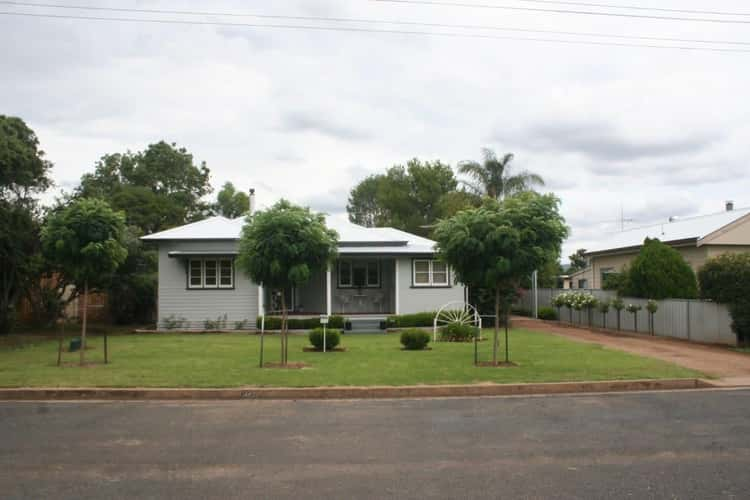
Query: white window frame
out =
(430, 273)
(367, 263)
(203, 285)
(216, 273)
(231, 273)
(190, 273)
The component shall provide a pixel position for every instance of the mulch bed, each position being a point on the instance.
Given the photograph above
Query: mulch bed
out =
(290, 366)
(500, 364)
(315, 349)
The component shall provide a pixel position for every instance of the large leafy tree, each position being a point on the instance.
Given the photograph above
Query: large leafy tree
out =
(230, 202)
(281, 247)
(493, 177)
(24, 172)
(498, 245)
(158, 188)
(660, 272)
(85, 241)
(412, 197)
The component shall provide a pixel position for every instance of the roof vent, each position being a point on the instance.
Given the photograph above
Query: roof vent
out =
(729, 205)
(672, 218)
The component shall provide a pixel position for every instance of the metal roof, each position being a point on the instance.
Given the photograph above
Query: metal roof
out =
(353, 238)
(687, 230)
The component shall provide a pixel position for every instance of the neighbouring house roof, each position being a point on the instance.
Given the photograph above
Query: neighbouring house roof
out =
(690, 230)
(353, 238)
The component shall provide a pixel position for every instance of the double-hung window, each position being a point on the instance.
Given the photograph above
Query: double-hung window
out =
(211, 273)
(430, 272)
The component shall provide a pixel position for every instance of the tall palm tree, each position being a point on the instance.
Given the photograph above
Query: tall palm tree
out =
(493, 176)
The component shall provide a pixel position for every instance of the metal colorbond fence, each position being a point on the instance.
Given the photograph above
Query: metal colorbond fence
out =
(693, 320)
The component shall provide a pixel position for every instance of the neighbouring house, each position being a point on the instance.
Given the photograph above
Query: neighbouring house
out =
(378, 272)
(696, 238)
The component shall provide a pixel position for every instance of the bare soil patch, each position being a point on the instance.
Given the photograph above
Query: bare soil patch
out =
(289, 366)
(499, 364)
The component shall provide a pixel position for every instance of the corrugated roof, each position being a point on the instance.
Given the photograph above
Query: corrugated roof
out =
(356, 238)
(689, 228)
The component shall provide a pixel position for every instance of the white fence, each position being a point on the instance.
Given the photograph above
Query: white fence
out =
(693, 320)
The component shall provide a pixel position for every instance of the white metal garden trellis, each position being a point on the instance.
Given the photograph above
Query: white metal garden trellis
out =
(456, 312)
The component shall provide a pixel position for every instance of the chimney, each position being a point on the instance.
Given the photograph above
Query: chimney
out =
(251, 211)
(729, 205)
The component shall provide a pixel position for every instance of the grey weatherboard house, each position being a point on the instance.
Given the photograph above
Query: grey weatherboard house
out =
(378, 272)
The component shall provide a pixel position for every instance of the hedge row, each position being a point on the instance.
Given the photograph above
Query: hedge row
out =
(274, 323)
(411, 320)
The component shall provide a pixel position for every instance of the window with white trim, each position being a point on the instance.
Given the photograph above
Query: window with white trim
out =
(430, 272)
(211, 273)
(359, 273)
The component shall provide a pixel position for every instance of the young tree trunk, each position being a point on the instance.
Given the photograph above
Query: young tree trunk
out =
(497, 324)
(83, 326)
(283, 328)
(507, 318)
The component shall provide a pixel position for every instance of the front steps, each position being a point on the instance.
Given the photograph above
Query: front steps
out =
(369, 324)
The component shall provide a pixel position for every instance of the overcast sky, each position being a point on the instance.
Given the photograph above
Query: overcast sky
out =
(305, 114)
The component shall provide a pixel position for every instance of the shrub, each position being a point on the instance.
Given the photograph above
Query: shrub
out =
(241, 325)
(458, 332)
(520, 311)
(724, 279)
(173, 322)
(219, 324)
(414, 339)
(660, 272)
(274, 323)
(333, 338)
(411, 320)
(547, 313)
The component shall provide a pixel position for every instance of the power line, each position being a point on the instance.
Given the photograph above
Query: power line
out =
(371, 30)
(637, 7)
(375, 21)
(442, 3)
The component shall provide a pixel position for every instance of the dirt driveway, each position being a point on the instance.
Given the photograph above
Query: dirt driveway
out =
(711, 360)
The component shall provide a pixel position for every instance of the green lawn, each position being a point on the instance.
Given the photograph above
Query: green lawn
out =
(231, 360)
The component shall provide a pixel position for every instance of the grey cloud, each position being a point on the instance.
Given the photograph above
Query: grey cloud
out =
(307, 122)
(602, 141)
(331, 203)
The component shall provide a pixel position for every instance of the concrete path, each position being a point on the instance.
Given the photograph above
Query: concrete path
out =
(732, 367)
(686, 445)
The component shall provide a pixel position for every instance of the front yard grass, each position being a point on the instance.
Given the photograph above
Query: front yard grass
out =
(231, 360)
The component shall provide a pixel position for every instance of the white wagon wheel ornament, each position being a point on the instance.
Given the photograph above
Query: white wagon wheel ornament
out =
(456, 312)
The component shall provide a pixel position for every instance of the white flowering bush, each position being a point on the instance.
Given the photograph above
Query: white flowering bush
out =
(561, 300)
(582, 300)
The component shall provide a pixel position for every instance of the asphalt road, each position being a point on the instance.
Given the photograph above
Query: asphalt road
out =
(650, 445)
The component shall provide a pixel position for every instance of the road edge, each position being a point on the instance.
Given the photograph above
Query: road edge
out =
(372, 392)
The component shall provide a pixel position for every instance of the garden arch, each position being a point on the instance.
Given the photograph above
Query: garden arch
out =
(456, 312)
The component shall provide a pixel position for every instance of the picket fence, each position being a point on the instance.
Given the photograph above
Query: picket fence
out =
(693, 320)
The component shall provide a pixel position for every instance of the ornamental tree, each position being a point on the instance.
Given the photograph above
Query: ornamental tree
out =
(660, 272)
(497, 245)
(281, 247)
(85, 242)
(725, 279)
